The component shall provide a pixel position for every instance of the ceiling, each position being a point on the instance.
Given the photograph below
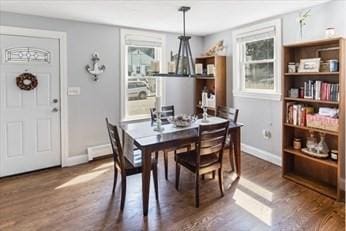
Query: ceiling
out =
(205, 17)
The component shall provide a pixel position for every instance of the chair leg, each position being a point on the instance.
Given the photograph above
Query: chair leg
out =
(197, 191)
(115, 178)
(123, 192)
(221, 181)
(177, 176)
(231, 159)
(213, 174)
(165, 159)
(155, 183)
(156, 156)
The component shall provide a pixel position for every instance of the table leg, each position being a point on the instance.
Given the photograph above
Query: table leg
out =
(236, 141)
(146, 161)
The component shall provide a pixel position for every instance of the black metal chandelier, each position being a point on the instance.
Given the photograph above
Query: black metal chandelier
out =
(184, 61)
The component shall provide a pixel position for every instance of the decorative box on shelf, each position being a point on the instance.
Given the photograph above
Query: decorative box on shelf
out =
(322, 122)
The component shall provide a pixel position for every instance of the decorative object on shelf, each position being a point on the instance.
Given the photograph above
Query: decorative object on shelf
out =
(293, 93)
(330, 32)
(301, 92)
(211, 69)
(199, 68)
(322, 122)
(324, 67)
(96, 69)
(292, 68)
(211, 101)
(182, 120)
(322, 147)
(158, 127)
(333, 65)
(302, 18)
(311, 142)
(204, 105)
(334, 154)
(216, 49)
(309, 65)
(297, 143)
(27, 81)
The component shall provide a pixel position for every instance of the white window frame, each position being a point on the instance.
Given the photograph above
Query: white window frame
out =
(160, 87)
(238, 64)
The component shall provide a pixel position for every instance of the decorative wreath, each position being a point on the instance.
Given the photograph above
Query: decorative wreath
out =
(27, 81)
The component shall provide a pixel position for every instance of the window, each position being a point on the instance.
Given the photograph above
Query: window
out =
(140, 50)
(256, 65)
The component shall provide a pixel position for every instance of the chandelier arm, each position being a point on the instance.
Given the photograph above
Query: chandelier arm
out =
(191, 59)
(178, 58)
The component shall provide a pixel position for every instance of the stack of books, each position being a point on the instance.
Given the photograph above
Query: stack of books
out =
(320, 90)
(296, 113)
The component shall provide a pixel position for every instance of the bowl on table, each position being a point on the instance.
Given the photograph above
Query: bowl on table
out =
(182, 120)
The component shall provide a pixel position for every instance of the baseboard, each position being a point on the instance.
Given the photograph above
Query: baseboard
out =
(270, 157)
(98, 151)
(75, 160)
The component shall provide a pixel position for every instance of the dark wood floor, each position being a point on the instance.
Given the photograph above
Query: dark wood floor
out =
(79, 198)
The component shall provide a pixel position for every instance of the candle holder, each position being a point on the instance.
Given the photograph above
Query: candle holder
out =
(158, 127)
(205, 115)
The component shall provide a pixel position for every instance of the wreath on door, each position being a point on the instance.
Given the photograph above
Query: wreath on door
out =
(27, 81)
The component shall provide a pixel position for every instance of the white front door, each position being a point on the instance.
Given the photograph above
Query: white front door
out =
(29, 119)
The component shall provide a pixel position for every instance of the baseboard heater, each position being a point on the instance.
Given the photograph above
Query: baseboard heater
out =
(99, 151)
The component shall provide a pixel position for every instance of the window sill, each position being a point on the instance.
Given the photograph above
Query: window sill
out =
(262, 96)
(135, 119)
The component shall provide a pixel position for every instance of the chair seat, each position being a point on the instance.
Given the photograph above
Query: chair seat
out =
(188, 159)
(136, 167)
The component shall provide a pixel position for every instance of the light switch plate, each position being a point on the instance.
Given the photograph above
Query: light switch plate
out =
(73, 91)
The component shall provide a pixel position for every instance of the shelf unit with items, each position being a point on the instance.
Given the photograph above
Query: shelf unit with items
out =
(314, 109)
(215, 83)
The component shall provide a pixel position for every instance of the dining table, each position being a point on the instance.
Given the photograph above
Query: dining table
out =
(144, 137)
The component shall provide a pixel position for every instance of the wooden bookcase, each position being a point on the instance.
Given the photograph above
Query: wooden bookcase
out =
(322, 175)
(215, 84)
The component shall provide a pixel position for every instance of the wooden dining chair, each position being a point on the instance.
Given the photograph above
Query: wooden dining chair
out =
(207, 157)
(230, 114)
(166, 112)
(127, 168)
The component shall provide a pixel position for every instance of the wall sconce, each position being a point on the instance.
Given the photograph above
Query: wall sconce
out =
(96, 68)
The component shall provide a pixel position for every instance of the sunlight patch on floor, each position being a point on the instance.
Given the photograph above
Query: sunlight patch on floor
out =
(82, 178)
(257, 189)
(105, 165)
(253, 206)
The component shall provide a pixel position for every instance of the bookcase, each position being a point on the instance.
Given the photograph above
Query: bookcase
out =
(323, 175)
(216, 84)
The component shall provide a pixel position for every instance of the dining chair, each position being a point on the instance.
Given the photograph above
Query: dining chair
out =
(230, 114)
(166, 112)
(207, 157)
(127, 168)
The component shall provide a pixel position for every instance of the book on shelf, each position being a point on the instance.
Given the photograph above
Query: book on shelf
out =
(296, 113)
(320, 90)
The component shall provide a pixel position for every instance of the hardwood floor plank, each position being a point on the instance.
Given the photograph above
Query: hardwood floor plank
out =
(80, 198)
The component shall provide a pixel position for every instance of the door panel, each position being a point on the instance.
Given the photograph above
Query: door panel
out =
(29, 128)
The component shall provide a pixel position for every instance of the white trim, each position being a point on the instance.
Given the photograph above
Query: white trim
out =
(162, 92)
(270, 157)
(75, 160)
(246, 31)
(61, 36)
(99, 150)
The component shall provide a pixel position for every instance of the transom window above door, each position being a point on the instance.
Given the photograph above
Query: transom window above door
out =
(256, 66)
(142, 54)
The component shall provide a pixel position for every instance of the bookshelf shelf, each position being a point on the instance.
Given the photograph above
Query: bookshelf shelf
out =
(327, 162)
(321, 175)
(312, 101)
(312, 74)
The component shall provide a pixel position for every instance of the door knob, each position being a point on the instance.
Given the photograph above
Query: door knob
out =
(55, 100)
(55, 109)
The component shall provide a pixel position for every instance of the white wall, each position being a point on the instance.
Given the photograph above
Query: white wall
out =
(99, 99)
(258, 114)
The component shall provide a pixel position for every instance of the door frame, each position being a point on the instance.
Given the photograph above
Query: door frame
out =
(61, 36)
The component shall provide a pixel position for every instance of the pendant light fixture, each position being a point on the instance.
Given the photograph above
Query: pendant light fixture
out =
(184, 61)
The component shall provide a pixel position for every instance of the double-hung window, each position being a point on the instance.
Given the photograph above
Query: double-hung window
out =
(256, 66)
(140, 52)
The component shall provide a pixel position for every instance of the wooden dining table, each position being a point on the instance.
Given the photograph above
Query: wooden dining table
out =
(149, 141)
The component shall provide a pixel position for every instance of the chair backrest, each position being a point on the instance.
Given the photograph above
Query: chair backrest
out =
(118, 154)
(212, 139)
(166, 112)
(228, 113)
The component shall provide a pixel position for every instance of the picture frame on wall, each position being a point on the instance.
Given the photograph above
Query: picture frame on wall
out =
(309, 65)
